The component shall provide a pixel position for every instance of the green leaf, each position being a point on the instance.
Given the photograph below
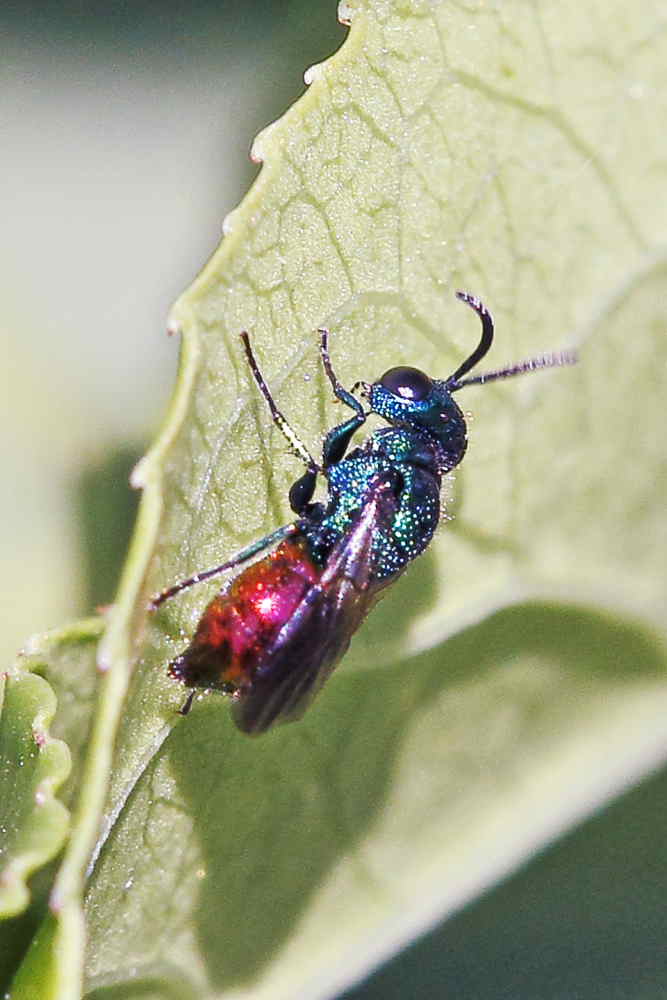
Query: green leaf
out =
(294, 862)
(33, 765)
(66, 658)
(60, 662)
(515, 678)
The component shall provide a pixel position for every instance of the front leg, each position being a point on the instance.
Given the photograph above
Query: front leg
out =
(335, 442)
(339, 437)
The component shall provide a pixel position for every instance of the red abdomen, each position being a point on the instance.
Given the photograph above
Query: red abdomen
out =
(245, 617)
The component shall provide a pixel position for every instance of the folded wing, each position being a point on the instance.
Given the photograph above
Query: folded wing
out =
(313, 640)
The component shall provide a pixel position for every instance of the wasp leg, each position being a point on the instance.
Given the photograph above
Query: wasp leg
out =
(187, 704)
(339, 437)
(240, 557)
(297, 446)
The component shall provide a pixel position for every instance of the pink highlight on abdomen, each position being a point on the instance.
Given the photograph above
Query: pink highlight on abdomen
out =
(242, 621)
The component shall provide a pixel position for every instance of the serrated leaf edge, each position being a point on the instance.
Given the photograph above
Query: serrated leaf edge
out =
(53, 768)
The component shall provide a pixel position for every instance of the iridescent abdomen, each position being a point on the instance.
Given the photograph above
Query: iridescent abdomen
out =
(242, 620)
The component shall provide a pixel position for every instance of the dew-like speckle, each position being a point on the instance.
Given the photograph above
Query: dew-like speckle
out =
(637, 91)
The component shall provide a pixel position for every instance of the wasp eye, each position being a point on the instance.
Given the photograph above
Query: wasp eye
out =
(408, 383)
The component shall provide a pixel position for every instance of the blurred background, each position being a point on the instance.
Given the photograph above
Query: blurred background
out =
(125, 135)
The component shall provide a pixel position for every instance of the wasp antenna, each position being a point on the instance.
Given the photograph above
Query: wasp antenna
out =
(484, 344)
(557, 360)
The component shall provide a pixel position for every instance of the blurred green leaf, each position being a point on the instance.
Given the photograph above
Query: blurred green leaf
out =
(33, 765)
(515, 678)
(60, 662)
(66, 658)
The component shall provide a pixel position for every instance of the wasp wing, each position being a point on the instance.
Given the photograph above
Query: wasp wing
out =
(313, 640)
